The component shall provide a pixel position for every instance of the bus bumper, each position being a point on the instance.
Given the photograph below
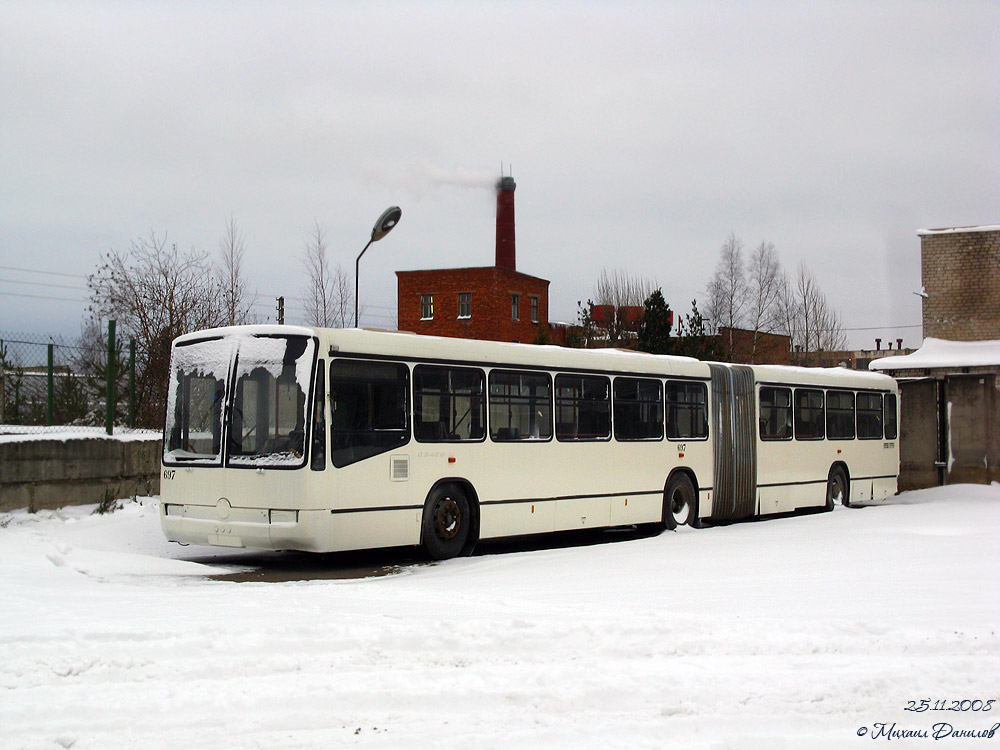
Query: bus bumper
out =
(249, 528)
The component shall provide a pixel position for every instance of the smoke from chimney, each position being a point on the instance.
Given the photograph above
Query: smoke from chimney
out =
(505, 224)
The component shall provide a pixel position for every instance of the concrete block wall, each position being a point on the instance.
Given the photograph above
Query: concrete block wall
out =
(960, 271)
(44, 474)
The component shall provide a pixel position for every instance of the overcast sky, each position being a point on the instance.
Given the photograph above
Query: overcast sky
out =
(639, 134)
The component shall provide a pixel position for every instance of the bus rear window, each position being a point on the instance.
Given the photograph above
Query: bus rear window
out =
(368, 409)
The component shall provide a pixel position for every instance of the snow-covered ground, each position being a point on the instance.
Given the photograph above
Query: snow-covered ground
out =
(797, 632)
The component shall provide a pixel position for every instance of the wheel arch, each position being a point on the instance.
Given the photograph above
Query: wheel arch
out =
(472, 496)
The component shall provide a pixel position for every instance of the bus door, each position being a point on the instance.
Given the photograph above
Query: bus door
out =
(734, 442)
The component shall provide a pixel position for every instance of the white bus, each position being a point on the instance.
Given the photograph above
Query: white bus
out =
(283, 437)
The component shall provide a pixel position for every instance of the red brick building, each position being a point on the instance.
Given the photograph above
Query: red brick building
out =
(494, 303)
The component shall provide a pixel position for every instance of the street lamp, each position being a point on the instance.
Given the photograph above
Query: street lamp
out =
(384, 225)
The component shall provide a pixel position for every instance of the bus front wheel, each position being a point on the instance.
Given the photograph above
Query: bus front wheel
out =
(446, 522)
(680, 504)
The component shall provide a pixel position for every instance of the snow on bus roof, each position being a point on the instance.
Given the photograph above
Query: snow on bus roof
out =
(254, 330)
(936, 353)
(408, 344)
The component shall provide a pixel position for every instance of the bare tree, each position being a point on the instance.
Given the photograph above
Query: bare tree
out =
(236, 301)
(155, 292)
(618, 290)
(329, 299)
(808, 319)
(764, 285)
(727, 292)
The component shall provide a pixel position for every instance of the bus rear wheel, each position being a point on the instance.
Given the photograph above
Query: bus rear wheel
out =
(837, 488)
(680, 504)
(446, 522)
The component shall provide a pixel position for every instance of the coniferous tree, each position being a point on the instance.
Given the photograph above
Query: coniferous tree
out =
(654, 332)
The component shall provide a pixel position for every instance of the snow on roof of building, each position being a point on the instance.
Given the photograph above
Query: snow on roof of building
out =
(935, 353)
(956, 230)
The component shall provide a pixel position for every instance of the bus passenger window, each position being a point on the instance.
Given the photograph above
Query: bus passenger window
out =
(583, 407)
(368, 409)
(870, 416)
(520, 406)
(687, 410)
(889, 411)
(840, 415)
(775, 413)
(809, 416)
(638, 409)
(448, 404)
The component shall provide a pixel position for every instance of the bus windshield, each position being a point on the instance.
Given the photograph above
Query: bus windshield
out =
(266, 379)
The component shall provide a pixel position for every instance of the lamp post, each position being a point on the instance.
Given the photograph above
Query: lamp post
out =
(384, 225)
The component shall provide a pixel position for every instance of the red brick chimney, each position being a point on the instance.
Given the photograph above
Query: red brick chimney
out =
(505, 223)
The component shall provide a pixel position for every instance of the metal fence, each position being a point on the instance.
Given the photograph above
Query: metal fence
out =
(54, 383)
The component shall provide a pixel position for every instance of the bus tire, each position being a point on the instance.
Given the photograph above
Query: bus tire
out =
(446, 522)
(680, 503)
(838, 489)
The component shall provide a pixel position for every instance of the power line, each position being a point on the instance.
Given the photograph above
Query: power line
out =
(47, 273)
(868, 328)
(41, 296)
(37, 283)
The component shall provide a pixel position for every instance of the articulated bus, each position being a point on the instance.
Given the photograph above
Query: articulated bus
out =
(292, 438)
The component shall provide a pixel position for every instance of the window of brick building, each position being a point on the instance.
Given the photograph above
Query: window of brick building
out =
(427, 307)
(534, 309)
(465, 304)
(515, 307)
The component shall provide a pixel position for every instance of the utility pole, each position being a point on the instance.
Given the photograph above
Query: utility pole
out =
(281, 311)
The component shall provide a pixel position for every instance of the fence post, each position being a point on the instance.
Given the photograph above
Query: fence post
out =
(49, 410)
(109, 410)
(131, 384)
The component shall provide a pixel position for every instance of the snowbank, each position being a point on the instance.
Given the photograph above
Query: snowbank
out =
(793, 632)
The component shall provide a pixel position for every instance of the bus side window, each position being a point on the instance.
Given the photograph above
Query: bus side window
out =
(369, 405)
(317, 462)
(840, 415)
(775, 413)
(638, 409)
(448, 404)
(583, 407)
(889, 417)
(520, 406)
(687, 410)
(809, 421)
(870, 416)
